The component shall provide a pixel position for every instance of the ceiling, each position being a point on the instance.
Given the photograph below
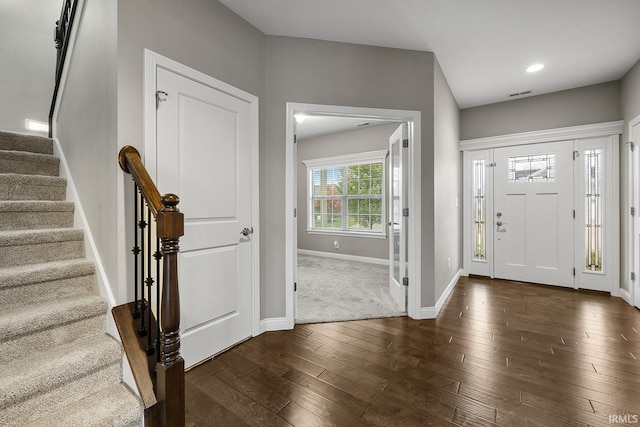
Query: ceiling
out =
(483, 46)
(313, 126)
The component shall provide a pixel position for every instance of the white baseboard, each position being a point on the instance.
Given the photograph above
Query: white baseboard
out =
(432, 312)
(275, 324)
(625, 295)
(368, 260)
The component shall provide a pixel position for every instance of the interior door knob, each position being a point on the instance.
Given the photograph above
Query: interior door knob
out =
(499, 223)
(246, 231)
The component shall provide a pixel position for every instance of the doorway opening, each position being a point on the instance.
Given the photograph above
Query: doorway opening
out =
(340, 218)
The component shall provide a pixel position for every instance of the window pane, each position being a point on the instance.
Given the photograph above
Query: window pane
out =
(327, 182)
(376, 206)
(535, 168)
(479, 211)
(593, 186)
(376, 185)
(376, 170)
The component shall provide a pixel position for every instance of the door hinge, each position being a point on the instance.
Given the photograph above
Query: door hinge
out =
(632, 146)
(405, 212)
(574, 272)
(574, 214)
(405, 143)
(491, 165)
(576, 154)
(633, 276)
(295, 212)
(633, 211)
(295, 139)
(295, 286)
(159, 99)
(405, 281)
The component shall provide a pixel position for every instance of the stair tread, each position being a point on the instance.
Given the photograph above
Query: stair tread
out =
(113, 406)
(33, 179)
(45, 272)
(60, 365)
(45, 235)
(24, 142)
(21, 321)
(28, 156)
(36, 206)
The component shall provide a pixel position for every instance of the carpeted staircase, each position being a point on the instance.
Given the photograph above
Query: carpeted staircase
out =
(58, 367)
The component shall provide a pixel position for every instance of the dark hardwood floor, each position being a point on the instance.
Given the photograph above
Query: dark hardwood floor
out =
(500, 353)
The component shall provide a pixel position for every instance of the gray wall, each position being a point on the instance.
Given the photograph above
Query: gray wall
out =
(630, 110)
(318, 72)
(202, 34)
(86, 126)
(350, 142)
(447, 171)
(28, 61)
(573, 107)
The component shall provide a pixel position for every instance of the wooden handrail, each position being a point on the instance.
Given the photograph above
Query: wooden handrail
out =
(170, 395)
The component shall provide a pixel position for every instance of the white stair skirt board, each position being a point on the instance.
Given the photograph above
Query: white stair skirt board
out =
(346, 257)
(432, 312)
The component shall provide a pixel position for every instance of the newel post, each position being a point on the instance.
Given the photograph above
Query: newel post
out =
(170, 368)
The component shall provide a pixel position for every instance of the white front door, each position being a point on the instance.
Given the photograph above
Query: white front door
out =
(204, 156)
(533, 213)
(397, 225)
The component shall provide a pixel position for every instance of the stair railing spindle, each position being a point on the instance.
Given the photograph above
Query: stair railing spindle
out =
(142, 331)
(136, 252)
(158, 256)
(149, 282)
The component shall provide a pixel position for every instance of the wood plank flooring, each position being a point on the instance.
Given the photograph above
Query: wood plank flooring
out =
(500, 353)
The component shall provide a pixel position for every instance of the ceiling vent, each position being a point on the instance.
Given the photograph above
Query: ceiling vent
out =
(511, 95)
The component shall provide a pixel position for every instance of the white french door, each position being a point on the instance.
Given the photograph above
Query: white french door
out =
(203, 154)
(533, 213)
(398, 202)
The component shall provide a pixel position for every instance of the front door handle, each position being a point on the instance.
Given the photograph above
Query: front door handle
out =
(246, 231)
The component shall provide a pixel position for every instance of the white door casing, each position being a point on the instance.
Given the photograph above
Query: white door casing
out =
(205, 150)
(533, 220)
(397, 225)
(634, 226)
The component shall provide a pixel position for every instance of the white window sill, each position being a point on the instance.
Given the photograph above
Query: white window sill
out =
(366, 234)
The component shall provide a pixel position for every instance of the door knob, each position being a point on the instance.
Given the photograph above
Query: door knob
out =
(246, 231)
(499, 223)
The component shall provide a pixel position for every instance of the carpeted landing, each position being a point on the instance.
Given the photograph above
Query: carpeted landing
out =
(58, 367)
(332, 290)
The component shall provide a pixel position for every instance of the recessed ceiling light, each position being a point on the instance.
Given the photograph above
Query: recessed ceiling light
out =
(535, 67)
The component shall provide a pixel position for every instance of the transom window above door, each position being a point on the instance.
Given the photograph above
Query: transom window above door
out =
(346, 194)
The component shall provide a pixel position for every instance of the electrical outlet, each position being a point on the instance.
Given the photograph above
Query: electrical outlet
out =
(336, 244)
(449, 263)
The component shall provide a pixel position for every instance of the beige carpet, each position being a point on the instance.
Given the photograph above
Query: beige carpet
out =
(332, 290)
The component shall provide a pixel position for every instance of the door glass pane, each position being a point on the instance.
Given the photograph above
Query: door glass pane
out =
(534, 168)
(396, 214)
(479, 211)
(593, 186)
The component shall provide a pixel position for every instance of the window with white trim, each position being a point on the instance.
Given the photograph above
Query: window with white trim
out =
(346, 194)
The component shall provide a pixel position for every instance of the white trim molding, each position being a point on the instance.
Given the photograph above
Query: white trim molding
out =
(273, 324)
(347, 159)
(153, 61)
(433, 312)
(625, 295)
(346, 257)
(540, 136)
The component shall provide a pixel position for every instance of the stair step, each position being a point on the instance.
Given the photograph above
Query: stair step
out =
(113, 406)
(25, 163)
(32, 187)
(35, 214)
(21, 321)
(21, 142)
(22, 247)
(29, 284)
(48, 381)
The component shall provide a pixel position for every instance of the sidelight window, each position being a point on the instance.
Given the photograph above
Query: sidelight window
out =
(479, 211)
(594, 204)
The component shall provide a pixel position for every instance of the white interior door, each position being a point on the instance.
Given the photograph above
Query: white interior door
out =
(398, 203)
(204, 155)
(533, 213)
